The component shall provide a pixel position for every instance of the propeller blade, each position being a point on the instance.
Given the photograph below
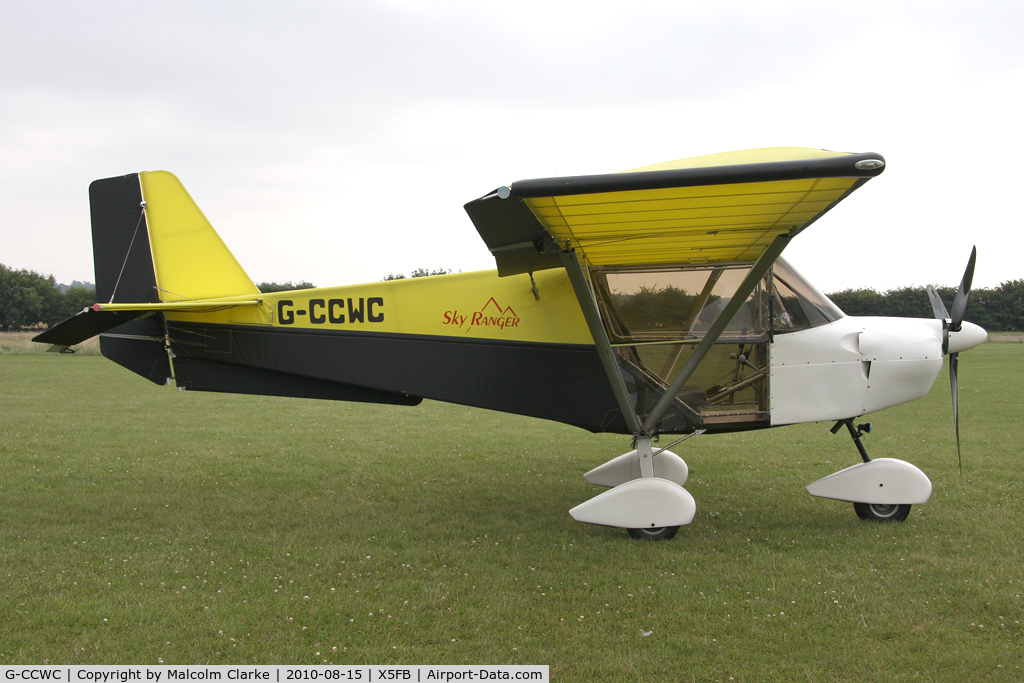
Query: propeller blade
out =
(964, 291)
(956, 410)
(938, 308)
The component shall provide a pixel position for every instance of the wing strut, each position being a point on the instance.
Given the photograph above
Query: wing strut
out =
(591, 313)
(758, 271)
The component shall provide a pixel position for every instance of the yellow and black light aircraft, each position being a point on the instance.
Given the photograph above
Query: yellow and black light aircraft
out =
(647, 302)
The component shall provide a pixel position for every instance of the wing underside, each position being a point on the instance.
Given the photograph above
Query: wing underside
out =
(720, 208)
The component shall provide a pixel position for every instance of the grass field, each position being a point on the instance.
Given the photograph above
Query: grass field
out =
(142, 524)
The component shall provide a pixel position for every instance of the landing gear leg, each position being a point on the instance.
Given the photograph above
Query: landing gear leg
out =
(871, 511)
(856, 433)
(645, 496)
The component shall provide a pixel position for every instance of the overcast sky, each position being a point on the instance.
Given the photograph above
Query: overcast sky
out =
(336, 142)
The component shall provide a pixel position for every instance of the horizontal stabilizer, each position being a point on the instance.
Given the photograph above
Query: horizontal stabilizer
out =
(99, 318)
(86, 325)
(181, 306)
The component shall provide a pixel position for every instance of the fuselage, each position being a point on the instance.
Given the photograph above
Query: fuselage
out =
(520, 344)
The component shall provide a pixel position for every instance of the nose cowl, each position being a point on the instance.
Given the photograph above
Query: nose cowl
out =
(969, 336)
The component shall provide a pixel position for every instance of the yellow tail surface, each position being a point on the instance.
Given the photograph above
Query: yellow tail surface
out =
(190, 260)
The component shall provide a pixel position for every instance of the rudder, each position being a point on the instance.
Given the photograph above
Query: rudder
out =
(120, 241)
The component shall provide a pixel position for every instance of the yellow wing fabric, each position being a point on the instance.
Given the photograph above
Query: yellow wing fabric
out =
(716, 208)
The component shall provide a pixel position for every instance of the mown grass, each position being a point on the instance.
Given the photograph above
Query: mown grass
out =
(141, 524)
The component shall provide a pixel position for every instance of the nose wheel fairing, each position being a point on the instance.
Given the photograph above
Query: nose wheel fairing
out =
(883, 481)
(881, 490)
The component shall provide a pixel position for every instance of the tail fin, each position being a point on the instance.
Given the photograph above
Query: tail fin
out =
(153, 249)
(190, 260)
(151, 243)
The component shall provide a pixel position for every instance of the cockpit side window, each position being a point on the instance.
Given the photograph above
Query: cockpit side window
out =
(796, 305)
(655, 319)
(680, 303)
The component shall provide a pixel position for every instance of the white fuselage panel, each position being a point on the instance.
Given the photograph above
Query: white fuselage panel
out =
(852, 366)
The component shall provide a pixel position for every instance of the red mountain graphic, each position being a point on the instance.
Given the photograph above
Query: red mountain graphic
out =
(501, 311)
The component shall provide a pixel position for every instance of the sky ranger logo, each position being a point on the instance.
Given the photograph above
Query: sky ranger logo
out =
(491, 315)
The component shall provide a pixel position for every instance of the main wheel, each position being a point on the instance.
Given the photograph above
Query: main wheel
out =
(660, 533)
(882, 513)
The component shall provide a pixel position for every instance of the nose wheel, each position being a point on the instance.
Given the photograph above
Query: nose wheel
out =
(881, 513)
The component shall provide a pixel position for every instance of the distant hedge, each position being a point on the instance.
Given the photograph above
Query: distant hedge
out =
(267, 287)
(997, 310)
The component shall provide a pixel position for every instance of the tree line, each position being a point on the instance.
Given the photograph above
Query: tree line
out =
(998, 309)
(29, 300)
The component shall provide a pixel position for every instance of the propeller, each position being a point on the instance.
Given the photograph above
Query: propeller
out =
(953, 322)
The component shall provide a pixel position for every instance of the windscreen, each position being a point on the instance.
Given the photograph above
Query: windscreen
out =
(796, 305)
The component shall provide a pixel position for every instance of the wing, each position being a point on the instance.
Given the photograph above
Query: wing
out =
(732, 208)
(722, 207)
